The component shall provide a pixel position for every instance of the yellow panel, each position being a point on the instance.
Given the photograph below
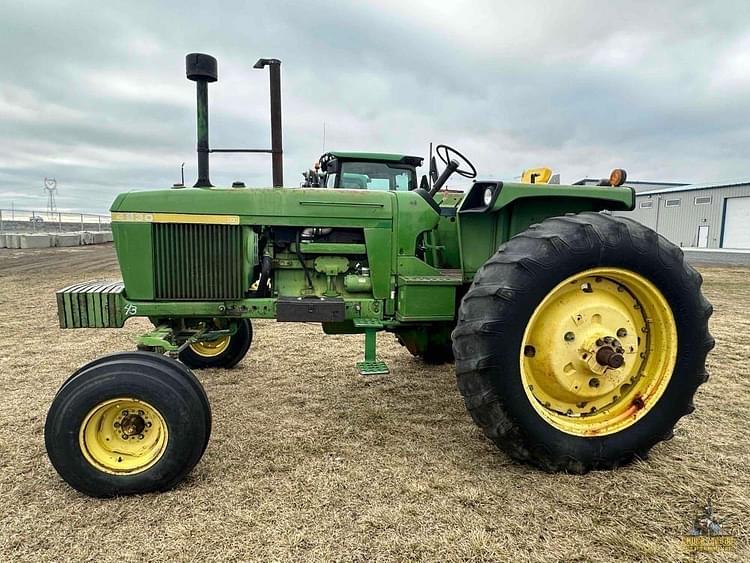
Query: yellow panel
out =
(129, 217)
(542, 175)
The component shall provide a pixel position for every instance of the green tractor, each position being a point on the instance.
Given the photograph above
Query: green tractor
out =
(579, 337)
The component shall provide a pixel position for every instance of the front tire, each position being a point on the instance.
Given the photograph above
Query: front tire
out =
(224, 352)
(130, 425)
(154, 357)
(582, 342)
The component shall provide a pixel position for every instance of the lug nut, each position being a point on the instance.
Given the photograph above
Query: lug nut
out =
(593, 382)
(622, 333)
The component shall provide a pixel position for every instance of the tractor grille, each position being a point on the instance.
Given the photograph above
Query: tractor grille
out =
(197, 262)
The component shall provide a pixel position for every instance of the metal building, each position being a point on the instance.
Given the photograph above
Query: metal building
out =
(715, 215)
(637, 186)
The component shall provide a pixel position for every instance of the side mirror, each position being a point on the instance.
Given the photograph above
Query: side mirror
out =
(423, 184)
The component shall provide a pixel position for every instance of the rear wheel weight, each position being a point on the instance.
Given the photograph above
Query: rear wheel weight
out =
(126, 427)
(519, 348)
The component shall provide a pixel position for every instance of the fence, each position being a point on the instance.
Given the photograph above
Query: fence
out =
(23, 220)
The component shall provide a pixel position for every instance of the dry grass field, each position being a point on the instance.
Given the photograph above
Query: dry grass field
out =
(308, 461)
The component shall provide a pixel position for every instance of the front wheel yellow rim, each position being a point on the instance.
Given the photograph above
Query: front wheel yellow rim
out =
(211, 349)
(598, 352)
(123, 436)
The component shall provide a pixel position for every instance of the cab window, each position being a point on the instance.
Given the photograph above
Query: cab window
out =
(373, 176)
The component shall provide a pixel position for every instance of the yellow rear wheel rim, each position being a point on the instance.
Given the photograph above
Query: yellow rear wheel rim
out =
(123, 436)
(598, 352)
(211, 349)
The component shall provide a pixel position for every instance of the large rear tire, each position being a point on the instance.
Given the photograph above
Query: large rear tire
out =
(582, 342)
(432, 343)
(127, 425)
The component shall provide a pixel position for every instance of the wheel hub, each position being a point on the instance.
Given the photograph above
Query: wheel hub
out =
(610, 355)
(123, 436)
(588, 354)
(132, 424)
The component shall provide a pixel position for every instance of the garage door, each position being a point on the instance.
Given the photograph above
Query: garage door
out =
(736, 226)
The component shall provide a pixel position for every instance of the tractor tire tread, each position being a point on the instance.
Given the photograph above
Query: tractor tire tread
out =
(508, 276)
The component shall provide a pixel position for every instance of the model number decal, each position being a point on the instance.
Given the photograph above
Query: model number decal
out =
(130, 310)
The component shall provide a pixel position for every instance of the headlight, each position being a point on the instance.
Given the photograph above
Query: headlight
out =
(488, 193)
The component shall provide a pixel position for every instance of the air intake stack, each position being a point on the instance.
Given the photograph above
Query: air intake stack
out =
(202, 69)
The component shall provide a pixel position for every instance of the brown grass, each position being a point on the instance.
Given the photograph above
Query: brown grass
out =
(308, 461)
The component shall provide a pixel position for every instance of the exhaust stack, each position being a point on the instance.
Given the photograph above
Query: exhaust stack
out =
(277, 155)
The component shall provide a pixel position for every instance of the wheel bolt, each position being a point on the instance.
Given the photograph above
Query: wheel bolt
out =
(116, 424)
(124, 413)
(622, 333)
(593, 382)
(124, 436)
(599, 342)
(569, 336)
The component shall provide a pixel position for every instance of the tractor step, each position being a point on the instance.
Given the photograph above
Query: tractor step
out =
(372, 368)
(371, 365)
(368, 323)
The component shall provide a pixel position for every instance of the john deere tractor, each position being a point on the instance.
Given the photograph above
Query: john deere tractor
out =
(579, 337)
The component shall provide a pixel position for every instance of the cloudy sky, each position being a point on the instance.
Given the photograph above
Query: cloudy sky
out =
(94, 93)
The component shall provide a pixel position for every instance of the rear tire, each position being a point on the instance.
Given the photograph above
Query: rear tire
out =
(540, 272)
(223, 353)
(127, 426)
(432, 344)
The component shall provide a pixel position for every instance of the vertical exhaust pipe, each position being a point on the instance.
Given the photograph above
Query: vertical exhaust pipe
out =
(277, 153)
(202, 69)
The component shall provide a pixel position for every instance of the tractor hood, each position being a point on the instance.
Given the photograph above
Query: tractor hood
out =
(266, 206)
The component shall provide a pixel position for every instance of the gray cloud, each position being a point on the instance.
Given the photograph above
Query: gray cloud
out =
(97, 97)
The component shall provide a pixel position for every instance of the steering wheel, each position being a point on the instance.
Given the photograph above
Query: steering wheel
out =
(445, 153)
